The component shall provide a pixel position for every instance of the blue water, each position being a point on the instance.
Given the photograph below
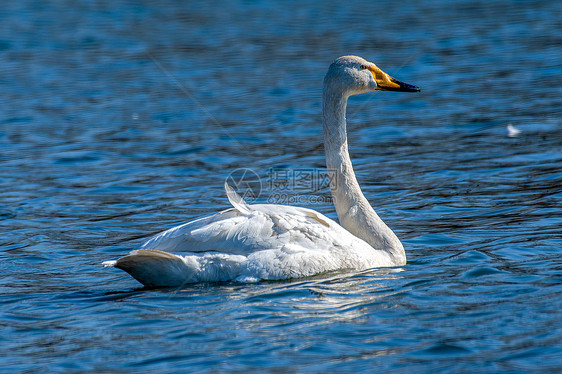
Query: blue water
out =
(122, 119)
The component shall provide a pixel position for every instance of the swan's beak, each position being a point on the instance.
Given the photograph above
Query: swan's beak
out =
(386, 83)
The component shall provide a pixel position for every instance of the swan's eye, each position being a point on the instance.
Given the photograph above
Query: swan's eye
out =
(363, 67)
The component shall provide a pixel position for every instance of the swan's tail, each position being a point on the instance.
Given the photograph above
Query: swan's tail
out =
(155, 268)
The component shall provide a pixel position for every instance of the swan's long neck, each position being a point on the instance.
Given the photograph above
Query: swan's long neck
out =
(354, 211)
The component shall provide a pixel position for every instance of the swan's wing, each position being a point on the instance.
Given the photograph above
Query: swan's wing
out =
(220, 232)
(258, 227)
(248, 228)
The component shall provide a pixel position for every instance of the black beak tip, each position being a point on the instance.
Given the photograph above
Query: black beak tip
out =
(409, 87)
(405, 87)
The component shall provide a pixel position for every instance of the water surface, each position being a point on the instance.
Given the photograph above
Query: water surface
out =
(120, 120)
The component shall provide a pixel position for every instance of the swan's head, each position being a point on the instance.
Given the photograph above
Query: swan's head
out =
(353, 75)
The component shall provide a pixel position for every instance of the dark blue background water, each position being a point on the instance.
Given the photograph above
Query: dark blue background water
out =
(121, 119)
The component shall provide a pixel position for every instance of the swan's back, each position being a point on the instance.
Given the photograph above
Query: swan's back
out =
(261, 227)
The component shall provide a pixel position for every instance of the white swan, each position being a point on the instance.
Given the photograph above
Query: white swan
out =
(265, 241)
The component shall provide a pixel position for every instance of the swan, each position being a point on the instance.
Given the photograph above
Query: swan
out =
(249, 243)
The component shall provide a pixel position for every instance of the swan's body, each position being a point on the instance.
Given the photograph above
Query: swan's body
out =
(267, 241)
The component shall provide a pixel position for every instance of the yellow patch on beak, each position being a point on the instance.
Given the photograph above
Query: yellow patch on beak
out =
(386, 83)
